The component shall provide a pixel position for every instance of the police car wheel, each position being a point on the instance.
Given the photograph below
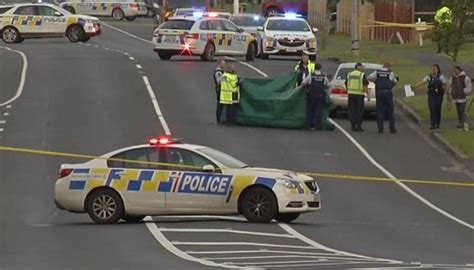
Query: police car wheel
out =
(71, 10)
(75, 33)
(264, 55)
(118, 14)
(86, 38)
(250, 56)
(131, 18)
(133, 218)
(104, 206)
(164, 55)
(209, 52)
(286, 217)
(10, 35)
(259, 205)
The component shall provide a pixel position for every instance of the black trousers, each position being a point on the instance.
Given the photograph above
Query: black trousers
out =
(355, 106)
(230, 113)
(461, 109)
(385, 107)
(435, 104)
(218, 107)
(314, 111)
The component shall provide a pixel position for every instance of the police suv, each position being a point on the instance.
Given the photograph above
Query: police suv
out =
(205, 36)
(170, 177)
(117, 9)
(287, 34)
(22, 21)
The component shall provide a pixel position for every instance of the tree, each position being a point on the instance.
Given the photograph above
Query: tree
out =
(450, 27)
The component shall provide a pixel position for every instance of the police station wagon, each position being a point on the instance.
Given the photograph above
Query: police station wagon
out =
(22, 21)
(170, 177)
(117, 9)
(204, 36)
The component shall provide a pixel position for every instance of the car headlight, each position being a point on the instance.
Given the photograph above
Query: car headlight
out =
(269, 42)
(286, 183)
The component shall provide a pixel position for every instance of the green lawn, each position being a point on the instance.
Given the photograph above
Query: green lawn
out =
(419, 103)
(461, 139)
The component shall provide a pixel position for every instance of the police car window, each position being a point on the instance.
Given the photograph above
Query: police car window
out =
(148, 154)
(204, 26)
(248, 21)
(216, 25)
(287, 25)
(26, 10)
(342, 73)
(230, 26)
(226, 160)
(176, 157)
(4, 9)
(177, 24)
(46, 11)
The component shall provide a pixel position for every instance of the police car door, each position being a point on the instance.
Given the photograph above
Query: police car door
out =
(222, 38)
(239, 38)
(139, 182)
(191, 188)
(54, 22)
(26, 19)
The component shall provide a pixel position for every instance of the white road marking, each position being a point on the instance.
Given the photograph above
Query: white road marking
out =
(178, 243)
(139, 66)
(19, 90)
(248, 65)
(226, 231)
(127, 33)
(9, 106)
(131, 58)
(381, 168)
(2, 122)
(302, 265)
(254, 251)
(325, 258)
(229, 218)
(156, 106)
(155, 231)
(6, 114)
(1, 129)
(97, 46)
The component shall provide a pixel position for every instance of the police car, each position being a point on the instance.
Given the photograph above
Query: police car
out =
(287, 34)
(22, 21)
(167, 176)
(117, 9)
(205, 36)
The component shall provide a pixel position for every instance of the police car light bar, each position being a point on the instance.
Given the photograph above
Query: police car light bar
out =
(256, 17)
(291, 15)
(198, 14)
(163, 140)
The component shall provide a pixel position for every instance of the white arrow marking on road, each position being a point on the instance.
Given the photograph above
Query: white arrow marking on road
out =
(19, 90)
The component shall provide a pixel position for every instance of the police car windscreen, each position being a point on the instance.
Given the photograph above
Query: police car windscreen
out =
(226, 160)
(4, 9)
(177, 24)
(247, 21)
(287, 25)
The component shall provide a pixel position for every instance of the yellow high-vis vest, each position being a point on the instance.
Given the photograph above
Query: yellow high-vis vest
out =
(229, 86)
(355, 82)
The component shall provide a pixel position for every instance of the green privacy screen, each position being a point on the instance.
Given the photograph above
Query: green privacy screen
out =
(274, 102)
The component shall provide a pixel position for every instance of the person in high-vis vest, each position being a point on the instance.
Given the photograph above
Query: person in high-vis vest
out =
(316, 85)
(356, 85)
(230, 94)
(304, 68)
(384, 80)
(217, 76)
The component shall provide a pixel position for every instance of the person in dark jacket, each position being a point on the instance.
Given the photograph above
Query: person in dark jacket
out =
(217, 76)
(460, 88)
(436, 84)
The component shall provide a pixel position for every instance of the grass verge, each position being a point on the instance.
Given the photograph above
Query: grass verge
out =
(463, 140)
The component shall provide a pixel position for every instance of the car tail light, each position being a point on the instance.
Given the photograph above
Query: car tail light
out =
(193, 36)
(64, 172)
(338, 91)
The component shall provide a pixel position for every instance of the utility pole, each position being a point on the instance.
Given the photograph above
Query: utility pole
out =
(355, 28)
(236, 6)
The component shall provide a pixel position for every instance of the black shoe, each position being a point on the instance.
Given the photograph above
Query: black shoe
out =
(432, 127)
(393, 131)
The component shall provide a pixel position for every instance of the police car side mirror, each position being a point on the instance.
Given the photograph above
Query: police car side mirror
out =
(208, 168)
(58, 14)
(260, 28)
(315, 30)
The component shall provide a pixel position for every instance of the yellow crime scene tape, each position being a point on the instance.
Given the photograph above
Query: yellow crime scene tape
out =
(392, 24)
(323, 175)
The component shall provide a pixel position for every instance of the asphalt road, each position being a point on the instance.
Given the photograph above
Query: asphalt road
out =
(91, 98)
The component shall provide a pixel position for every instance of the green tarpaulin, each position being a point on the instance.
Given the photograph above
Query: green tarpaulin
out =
(275, 102)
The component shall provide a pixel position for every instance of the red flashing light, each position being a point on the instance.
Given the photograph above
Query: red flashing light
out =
(186, 46)
(212, 14)
(338, 91)
(161, 140)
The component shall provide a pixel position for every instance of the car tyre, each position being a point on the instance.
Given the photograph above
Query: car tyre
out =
(164, 55)
(104, 206)
(264, 56)
(286, 217)
(133, 218)
(259, 205)
(11, 35)
(209, 52)
(250, 56)
(130, 19)
(86, 38)
(150, 13)
(70, 9)
(75, 33)
(118, 14)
